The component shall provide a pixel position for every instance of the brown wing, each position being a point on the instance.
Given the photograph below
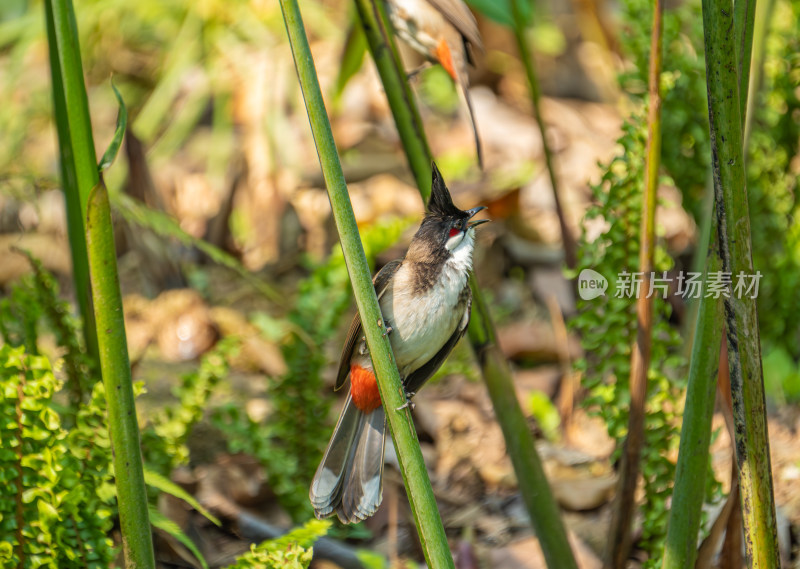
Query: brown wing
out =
(416, 379)
(458, 14)
(354, 334)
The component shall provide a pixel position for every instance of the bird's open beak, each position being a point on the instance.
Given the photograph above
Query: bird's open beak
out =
(472, 212)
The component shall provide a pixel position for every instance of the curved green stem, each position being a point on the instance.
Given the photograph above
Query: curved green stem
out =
(412, 466)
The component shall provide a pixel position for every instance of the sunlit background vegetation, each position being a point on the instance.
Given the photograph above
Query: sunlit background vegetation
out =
(237, 298)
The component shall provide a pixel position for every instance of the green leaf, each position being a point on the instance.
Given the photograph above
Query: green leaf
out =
(162, 522)
(167, 486)
(501, 11)
(119, 132)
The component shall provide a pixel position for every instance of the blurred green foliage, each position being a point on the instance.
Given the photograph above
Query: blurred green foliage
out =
(56, 510)
(772, 183)
(36, 297)
(607, 327)
(165, 434)
(291, 551)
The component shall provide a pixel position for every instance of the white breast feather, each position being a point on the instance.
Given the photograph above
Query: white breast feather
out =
(421, 324)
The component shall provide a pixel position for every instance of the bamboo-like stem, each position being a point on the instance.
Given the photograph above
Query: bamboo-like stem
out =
(533, 84)
(741, 319)
(116, 370)
(76, 148)
(401, 99)
(619, 542)
(420, 494)
(692, 468)
(541, 505)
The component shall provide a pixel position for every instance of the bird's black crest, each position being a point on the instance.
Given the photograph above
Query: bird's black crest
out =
(440, 203)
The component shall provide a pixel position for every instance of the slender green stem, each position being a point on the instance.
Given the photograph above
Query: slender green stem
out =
(520, 34)
(401, 99)
(741, 319)
(620, 538)
(412, 466)
(76, 147)
(690, 474)
(543, 509)
(535, 490)
(116, 370)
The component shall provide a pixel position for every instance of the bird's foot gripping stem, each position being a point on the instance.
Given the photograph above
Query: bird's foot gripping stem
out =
(408, 404)
(413, 75)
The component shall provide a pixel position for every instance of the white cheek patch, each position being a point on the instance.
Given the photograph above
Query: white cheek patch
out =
(461, 254)
(454, 241)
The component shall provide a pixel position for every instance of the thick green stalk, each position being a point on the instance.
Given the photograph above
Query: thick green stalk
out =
(412, 466)
(116, 370)
(692, 468)
(401, 99)
(535, 490)
(543, 509)
(76, 147)
(741, 319)
(620, 538)
(533, 84)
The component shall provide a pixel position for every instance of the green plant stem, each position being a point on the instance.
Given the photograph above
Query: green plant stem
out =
(741, 320)
(744, 16)
(116, 371)
(692, 468)
(76, 147)
(620, 538)
(535, 490)
(690, 473)
(519, 441)
(420, 494)
(401, 99)
(533, 84)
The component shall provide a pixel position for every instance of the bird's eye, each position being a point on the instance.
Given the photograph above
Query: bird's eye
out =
(454, 232)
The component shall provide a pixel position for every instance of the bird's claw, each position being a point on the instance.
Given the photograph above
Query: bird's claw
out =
(408, 404)
(387, 331)
(414, 74)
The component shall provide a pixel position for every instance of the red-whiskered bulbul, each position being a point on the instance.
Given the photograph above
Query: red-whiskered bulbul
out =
(444, 32)
(425, 301)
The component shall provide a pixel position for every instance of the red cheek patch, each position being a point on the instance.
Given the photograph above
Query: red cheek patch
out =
(364, 389)
(454, 232)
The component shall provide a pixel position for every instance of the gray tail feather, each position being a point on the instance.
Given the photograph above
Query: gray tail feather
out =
(349, 480)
